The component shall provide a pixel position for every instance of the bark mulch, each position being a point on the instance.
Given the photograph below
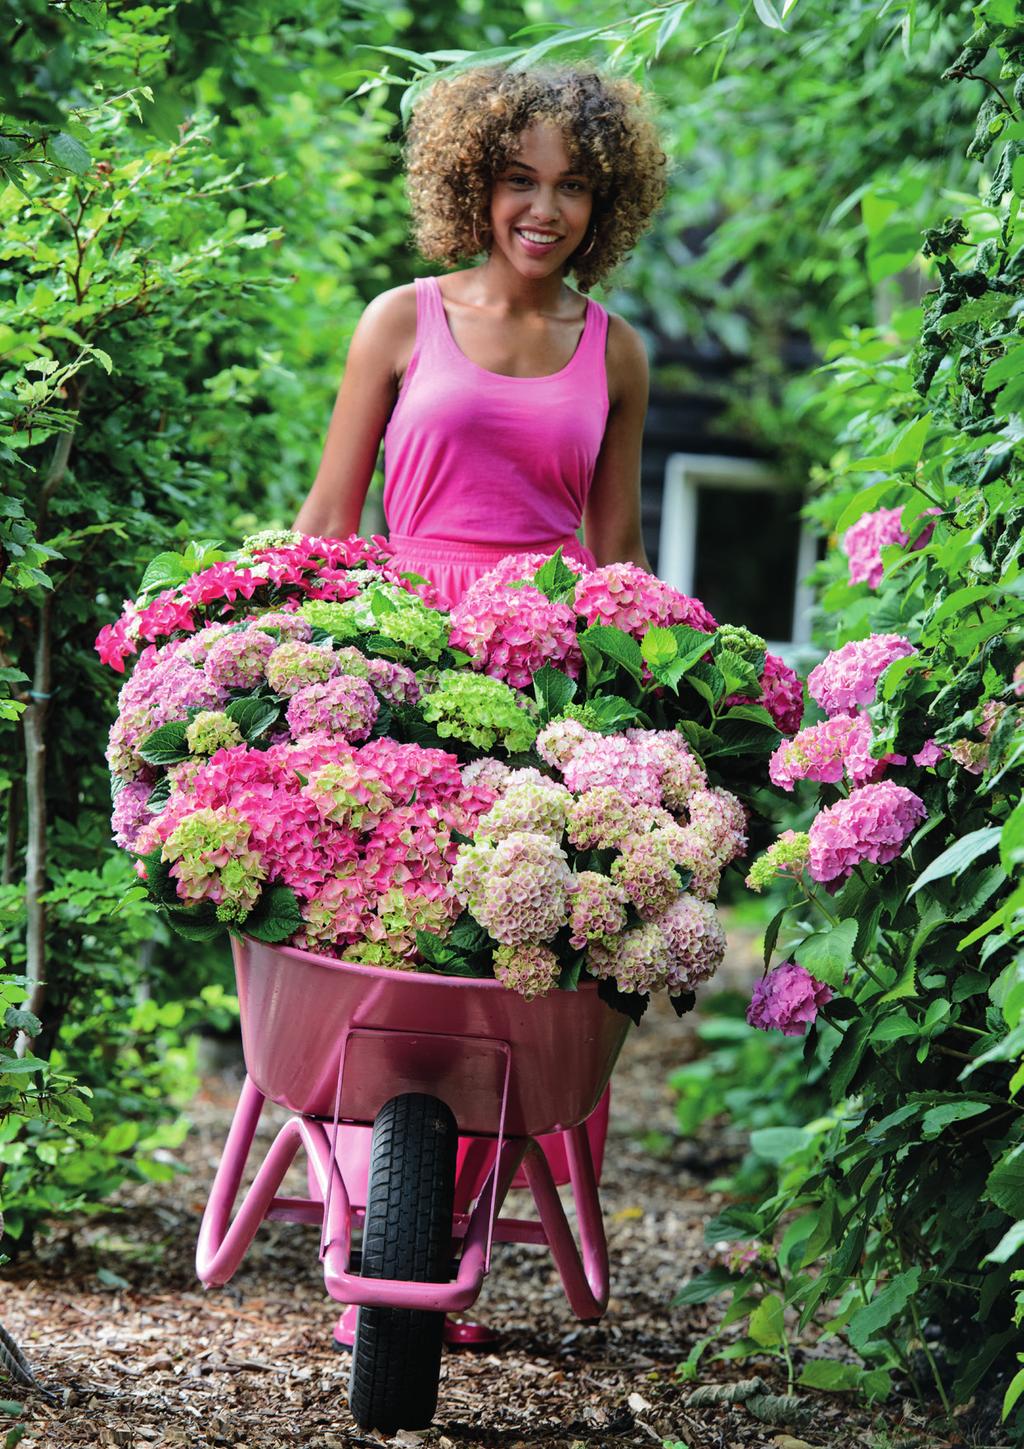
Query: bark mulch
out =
(112, 1320)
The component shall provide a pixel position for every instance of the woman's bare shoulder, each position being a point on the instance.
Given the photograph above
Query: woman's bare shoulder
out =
(626, 359)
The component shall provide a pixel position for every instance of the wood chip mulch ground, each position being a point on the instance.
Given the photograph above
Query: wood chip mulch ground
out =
(113, 1322)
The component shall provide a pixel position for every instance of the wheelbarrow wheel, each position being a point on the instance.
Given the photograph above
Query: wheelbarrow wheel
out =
(407, 1234)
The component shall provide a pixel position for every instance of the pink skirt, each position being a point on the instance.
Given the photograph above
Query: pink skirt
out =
(452, 567)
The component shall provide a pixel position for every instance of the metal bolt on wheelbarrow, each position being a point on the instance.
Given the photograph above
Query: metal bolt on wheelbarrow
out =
(449, 1082)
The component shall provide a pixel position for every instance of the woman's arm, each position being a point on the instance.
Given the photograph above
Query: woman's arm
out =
(611, 519)
(380, 345)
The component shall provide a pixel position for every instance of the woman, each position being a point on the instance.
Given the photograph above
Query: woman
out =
(511, 406)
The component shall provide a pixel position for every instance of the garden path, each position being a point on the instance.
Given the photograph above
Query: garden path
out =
(110, 1315)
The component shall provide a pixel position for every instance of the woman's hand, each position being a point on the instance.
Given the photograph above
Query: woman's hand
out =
(612, 515)
(383, 339)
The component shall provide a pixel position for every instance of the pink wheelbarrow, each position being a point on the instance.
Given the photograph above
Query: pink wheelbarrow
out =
(457, 1078)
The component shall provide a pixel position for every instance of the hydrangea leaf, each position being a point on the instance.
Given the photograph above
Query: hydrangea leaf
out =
(828, 955)
(165, 746)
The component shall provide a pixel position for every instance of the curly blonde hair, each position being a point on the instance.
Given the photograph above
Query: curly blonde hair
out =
(465, 130)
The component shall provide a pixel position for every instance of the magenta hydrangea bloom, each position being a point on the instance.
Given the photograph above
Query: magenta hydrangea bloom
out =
(781, 695)
(344, 705)
(864, 540)
(872, 823)
(511, 632)
(696, 942)
(849, 676)
(929, 754)
(432, 775)
(787, 1000)
(411, 847)
(629, 598)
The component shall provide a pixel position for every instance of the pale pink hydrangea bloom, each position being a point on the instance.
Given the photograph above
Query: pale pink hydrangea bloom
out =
(627, 597)
(195, 649)
(597, 908)
(873, 823)
(559, 739)
(532, 970)
(781, 695)
(239, 660)
(696, 942)
(637, 959)
(510, 633)
(344, 705)
(613, 760)
(518, 889)
(601, 817)
(694, 849)
(535, 806)
(646, 871)
(290, 625)
(849, 676)
(522, 566)
(718, 814)
(787, 999)
(294, 664)
(679, 770)
(152, 697)
(486, 774)
(864, 540)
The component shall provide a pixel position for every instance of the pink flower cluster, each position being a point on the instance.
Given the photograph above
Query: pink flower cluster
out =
(864, 540)
(848, 677)
(787, 999)
(511, 632)
(827, 751)
(873, 823)
(781, 695)
(627, 597)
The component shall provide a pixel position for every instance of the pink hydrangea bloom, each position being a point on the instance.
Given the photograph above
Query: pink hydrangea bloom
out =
(601, 817)
(781, 695)
(697, 850)
(239, 660)
(696, 942)
(411, 847)
(517, 889)
(646, 871)
(212, 861)
(1018, 680)
(849, 676)
(195, 649)
(532, 970)
(341, 913)
(130, 813)
(929, 754)
(349, 795)
(289, 624)
(597, 908)
(559, 739)
(294, 664)
(310, 752)
(510, 633)
(432, 775)
(873, 823)
(517, 566)
(718, 816)
(344, 705)
(864, 540)
(679, 770)
(535, 806)
(829, 750)
(637, 959)
(629, 598)
(152, 697)
(787, 999)
(613, 760)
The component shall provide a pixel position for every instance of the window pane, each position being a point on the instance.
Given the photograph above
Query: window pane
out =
(746, 556)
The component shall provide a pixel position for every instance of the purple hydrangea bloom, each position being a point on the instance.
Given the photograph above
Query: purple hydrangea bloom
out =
(787, 999)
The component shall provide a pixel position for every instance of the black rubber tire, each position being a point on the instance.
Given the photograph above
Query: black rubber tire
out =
(396, 1357)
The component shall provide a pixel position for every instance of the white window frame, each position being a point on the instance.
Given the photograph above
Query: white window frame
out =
(684, 474)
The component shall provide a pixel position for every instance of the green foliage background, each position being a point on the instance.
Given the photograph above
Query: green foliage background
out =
(199, 200)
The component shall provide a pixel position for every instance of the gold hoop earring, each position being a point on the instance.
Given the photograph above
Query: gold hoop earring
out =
(587, 250)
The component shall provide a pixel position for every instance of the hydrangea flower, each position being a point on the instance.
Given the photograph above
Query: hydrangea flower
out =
(510, 633)
(532, 970)
(787, 999)
(348, 795)
(337, 619)
(930, 753)
(680, 773)
(1018, 680)
(130, 812)
(864, 540)
(211, 730)
(613, 760)
(629, 598)
(521, 567)
(697, 850)
(294, 664)
(340, 913)
(538, 807)
(637, 959)
(781, 695)
(849, 676)
(432, 776)
(597, 908)
(829, 750)
(238, 660)
(696, 942)
(480, 710)
(721, 819)
(518, 889)
(559, 739)
(872, 823)
(211, 861)
(601, 817)
(153, 697)
(195, 650)
(289, 624)
(344, 705)
(646, 871)
(411, 847)
(786, 856)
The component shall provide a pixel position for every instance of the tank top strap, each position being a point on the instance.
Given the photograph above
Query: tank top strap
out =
(594, 341)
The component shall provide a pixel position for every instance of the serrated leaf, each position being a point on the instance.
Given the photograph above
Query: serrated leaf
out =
(704, 1287)
(828, 955)
(16, 1018)
(253, 716)
(958, 856)
(555, 579)
(69, 152)
(277, 915)
(883, 1308)
(553, 690)
(165, 746)
(659, 646)
(616, 645)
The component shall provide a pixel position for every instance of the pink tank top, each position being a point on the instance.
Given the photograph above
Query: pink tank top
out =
(476, 458)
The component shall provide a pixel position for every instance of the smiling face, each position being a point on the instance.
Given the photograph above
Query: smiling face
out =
(540, 206)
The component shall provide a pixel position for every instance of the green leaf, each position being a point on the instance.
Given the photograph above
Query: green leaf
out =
(553, 690)
(937, 1119)
(277, 915)
(831, 1375)
(828, 955)
(659, 646)
(767, 1324)
(555, 579)
(616, 645)
(1005, 1186)
(959, 855)
(253, 716)
(1013, 1393)
(17, 1019)
(775, 1144)
(69, 153)
(1011, 839)
(705, 1286)
(883, 1308)
(1008, 1245)
(165, 746)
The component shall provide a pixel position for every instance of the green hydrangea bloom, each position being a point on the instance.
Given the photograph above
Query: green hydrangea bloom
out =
(267, 538)
(585, 714)
(480, 710)
(341, 621)
(212, 730)
(741, 641)
(211, 861)
(410, 622)
(787, 856)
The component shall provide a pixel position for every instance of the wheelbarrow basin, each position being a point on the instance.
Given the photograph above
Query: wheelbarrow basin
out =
(407, 1031)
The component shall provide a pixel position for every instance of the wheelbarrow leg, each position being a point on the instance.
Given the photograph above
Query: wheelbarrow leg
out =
(585, 1280)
